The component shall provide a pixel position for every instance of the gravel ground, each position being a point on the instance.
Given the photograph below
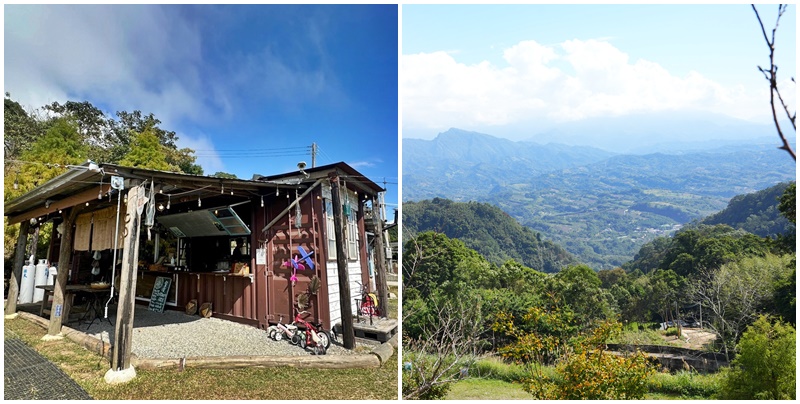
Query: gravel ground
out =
(173, 334)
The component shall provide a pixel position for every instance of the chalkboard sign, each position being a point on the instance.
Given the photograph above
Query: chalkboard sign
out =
(159, 296)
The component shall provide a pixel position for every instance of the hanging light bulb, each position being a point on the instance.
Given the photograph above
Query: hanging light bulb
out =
(160, 207)
(222, 190)
(262, 201)
(100, 194)
(277, 191)
(169, 199)
(199, 204)
(231, 192)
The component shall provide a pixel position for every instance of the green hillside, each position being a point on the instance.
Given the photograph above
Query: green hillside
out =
(486, 229)
(756, 213)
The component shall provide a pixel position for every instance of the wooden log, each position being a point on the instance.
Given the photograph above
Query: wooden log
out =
(348, 333)
(123, 330)
(383, 352)
(87, 341)
(59, 310)
(234, 362)
(19, 261)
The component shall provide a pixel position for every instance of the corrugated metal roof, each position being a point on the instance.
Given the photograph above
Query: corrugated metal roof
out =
(80, 178)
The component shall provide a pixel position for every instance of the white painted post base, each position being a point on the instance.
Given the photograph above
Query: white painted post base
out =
(120, 376)
(12, 316)
(56, 337)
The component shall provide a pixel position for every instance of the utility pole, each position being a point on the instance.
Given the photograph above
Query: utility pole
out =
(313, 155)
(348, 334)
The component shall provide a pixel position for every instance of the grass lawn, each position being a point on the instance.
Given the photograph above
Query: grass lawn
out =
(88, 370)
(486, 389)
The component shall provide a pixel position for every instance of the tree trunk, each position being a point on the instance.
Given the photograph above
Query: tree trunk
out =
(16, 275)
(64, 258)
(123, 330)
(348, 333)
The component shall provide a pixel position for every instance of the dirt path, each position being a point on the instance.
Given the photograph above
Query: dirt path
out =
(692, 338)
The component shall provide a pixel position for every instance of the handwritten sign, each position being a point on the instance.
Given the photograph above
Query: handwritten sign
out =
(261, 256)
(159, 296)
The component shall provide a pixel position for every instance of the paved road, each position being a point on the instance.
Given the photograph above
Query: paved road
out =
(29, 376)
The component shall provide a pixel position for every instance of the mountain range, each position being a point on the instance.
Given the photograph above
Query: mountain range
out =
(599, 205)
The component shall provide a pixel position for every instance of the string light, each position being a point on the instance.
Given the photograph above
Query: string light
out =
(169, 199)
(277, 191)
(160, 207)
(199, 204)
(262, 201)
(222, 190)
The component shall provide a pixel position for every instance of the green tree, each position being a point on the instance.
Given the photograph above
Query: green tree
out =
(764, 369)
(20, 129)
(788, 204)
(220, 174)
(46, 158)
(734, 295)
(147, 152)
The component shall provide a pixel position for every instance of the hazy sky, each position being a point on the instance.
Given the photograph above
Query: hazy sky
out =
(239, 84)
(492, 68)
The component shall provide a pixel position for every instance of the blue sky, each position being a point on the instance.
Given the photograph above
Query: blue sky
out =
(500, 69)
(239, 84)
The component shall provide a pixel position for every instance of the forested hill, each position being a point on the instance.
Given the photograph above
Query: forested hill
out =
(755, 213)
(488, 230)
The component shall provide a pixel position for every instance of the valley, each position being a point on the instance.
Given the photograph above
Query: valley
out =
(601, 207)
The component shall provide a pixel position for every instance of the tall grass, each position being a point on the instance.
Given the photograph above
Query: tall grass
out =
(495, 368)
(685, 384)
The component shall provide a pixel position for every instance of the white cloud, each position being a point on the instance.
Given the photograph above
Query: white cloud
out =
(569, 81)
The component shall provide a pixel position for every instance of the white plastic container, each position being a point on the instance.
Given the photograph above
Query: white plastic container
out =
(40, 278)
(51, 275)
(26, 284)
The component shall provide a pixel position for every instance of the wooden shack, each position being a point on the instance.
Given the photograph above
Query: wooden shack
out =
(227, 242)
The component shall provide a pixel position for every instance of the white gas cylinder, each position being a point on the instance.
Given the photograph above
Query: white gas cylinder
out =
(40, 278)
(26, 284)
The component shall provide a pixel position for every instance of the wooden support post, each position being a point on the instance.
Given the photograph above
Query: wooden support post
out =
(348, 333)
(58, 309)
(380, 261)
(19, 261)
(123, 330)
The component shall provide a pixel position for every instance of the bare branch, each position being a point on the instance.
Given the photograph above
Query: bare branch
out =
(772, 76)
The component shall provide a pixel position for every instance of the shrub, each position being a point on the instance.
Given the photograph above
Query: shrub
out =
(591, 373)
(685, 384)
(764, 368)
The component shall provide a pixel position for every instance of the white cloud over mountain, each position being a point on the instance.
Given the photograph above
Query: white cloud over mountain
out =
(551, 84)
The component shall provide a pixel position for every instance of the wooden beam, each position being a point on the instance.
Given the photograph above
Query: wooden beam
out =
(59, 309)
(380, 261)
(19, 261)
(348, 333)
(123, 330)
(68, 202)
